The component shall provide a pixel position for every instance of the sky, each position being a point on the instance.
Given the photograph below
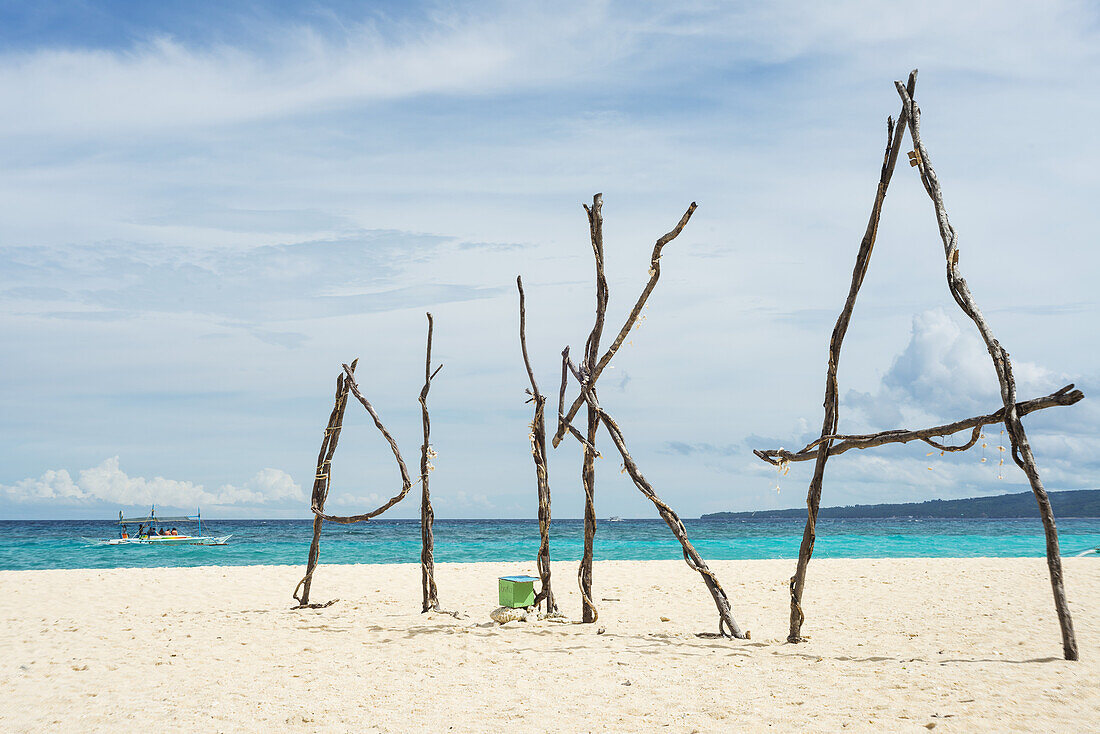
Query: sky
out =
(206, 208)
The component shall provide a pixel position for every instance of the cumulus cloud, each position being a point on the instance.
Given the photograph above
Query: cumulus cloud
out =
(108, 484)
(944, 373)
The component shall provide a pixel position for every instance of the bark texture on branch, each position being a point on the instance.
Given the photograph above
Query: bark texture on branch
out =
(1066, 396)
(1021, 448)
(537, 436)
(321, 483)
(828, 427)
(427, 514)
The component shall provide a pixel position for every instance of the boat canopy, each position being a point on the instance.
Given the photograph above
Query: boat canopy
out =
(153, 517)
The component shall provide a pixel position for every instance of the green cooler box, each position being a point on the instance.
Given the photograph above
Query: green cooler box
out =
(517, 591)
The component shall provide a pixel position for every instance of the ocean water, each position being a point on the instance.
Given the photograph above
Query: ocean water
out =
(46, 544)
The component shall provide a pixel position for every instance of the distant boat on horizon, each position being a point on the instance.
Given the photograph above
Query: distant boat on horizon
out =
(614, 518)
(151, 531)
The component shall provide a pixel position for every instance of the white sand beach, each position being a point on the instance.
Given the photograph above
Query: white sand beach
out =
(898, 645)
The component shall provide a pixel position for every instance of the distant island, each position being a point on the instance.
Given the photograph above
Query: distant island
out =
(1070, 503)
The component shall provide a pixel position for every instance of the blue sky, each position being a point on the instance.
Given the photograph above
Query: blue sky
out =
(205, 208)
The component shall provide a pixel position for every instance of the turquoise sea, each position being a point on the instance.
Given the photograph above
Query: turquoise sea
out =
(42, 544)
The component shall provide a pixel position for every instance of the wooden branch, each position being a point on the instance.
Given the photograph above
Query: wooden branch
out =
(632, 318)
(566, 366)
(1021, 447)
(406, 482)
(1066, 396)
(588, 467)
(321, 483)
(427, 514)
(538, 454)
(727, 625)
(829, 423)
(586, 377)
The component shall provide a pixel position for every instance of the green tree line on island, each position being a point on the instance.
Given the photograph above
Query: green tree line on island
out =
(1069, 503)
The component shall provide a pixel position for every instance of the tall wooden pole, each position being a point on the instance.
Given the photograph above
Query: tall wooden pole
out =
(427, 514)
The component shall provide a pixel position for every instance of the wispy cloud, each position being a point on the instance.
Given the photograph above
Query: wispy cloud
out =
(263, 284)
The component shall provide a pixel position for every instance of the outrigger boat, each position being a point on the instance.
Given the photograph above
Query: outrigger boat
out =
(151, 531)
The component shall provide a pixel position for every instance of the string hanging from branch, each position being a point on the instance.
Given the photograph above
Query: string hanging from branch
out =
(832, 443)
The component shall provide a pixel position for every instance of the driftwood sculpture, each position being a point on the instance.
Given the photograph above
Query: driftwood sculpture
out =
(345, 384)
(831, 443)
(427, 514)
(538, 453)
(586, 375)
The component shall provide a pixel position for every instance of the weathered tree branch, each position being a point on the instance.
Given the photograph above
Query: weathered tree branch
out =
(566, 365)
(427, 514)
(1021, 447)
(586, 376)
(829, 423)
(538, 453)
(631, 319)
(406, 482)
(1066, 396)
(588, 468)
(727, 625)
(321, 483)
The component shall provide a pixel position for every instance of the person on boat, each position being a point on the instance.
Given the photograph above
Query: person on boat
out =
(174, 532)
(125, 534)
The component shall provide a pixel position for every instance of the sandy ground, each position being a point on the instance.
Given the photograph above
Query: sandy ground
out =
(957, 645)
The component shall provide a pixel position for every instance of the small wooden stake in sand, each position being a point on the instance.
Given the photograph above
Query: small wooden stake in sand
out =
(1010, 414)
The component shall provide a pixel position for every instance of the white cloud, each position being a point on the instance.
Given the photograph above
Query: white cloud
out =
(162, 83)
(108, 484)
(54, 484)
(944, 373)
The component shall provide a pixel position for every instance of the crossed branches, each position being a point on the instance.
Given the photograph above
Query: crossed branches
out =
(831, 443)
(586, 376)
